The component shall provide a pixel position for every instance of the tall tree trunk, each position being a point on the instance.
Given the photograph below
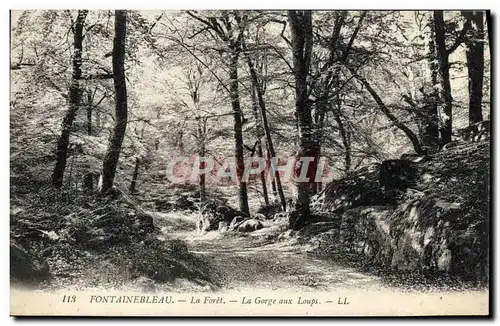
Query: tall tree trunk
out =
(89, 113)
(317, 137)
(490, 36)
(263, 178)
(202, 130)
(302, 41)
(133, 184)
(115, 145)
(430, 121)
(259, 143)
(345, 140)
(273, 180)
(263, 112)
(444, 78)
(75, 94)
(475, 66)
(238, 131)
(97, 125)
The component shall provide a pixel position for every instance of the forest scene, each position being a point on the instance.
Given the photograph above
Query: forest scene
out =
(215, 150)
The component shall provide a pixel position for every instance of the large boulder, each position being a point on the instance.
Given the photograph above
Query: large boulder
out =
(25, 267)
(166, 261)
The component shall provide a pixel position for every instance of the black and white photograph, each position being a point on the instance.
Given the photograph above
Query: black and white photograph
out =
(250, 162)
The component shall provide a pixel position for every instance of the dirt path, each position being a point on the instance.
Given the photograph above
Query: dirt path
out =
(250, 261)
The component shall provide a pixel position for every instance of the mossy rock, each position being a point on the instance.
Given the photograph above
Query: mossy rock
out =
(25, 267)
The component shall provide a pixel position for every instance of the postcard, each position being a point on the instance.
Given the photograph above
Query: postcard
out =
(250, 163)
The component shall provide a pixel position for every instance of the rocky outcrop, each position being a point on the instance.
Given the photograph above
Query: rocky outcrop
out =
(438, 222)
(433, 233)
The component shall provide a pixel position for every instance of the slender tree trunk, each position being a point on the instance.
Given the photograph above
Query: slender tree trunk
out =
(115, 145)
(317, 137)
(408, 132)
(133, 184)
(273, 180)
(238, 131)
(202, 122)
(345, 140)
(89, 114)
(301, 40)
(475, 67)
(70, 177)
(97, 125)
(444, 78)
(490, 36)
(267, 131)
(259, 143)
(75, 93)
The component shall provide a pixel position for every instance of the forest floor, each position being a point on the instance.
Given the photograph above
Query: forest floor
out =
(269, 259)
